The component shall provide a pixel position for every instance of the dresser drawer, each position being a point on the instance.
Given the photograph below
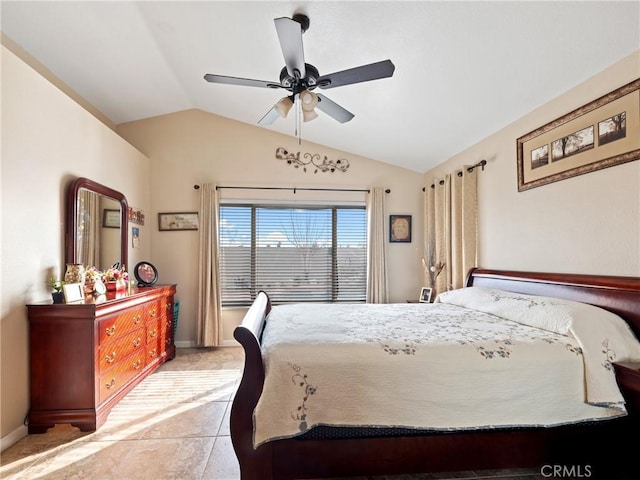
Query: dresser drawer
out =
(166, 305)
(115, 378)
(111, 353)
(155, 330)
(168, 325)
(154, 351)
(153, 310)
(113, 327)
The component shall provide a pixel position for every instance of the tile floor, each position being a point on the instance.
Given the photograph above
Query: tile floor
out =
(173, 425)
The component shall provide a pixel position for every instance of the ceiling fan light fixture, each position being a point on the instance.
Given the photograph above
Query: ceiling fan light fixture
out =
(283, 106)
(308, 100)
(308, 115)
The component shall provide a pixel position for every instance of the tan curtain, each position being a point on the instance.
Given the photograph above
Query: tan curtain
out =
(451, 230)
(89, 223)
(377, 289)
(208, 322)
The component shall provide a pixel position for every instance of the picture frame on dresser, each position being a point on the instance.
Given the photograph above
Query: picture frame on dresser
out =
(73, 292)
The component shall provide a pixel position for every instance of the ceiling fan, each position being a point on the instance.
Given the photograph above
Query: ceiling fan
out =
(301, 78)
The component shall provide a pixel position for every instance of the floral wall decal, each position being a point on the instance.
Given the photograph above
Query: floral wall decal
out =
(312, 160)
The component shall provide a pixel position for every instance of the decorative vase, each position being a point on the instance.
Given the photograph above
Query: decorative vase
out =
(111, 286)
(121, 285)
(88, 288)
(58, 297)
(74, 273)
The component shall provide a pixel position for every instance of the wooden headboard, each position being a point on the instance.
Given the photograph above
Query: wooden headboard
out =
(620, 295)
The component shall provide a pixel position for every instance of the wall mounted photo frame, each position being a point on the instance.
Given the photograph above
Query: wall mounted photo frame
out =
(111, 218)
(400, 228)
(595, 136)
(425, 295)
(178, 221)
(73, 292)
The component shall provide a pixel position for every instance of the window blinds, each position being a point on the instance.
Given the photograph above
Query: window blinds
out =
(295, 254)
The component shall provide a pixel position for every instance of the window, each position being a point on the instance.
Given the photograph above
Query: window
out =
(295, 254)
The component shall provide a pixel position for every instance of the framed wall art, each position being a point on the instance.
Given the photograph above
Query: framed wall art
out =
(178, 221)
(600, 134)
(111, 218)
(400, 228)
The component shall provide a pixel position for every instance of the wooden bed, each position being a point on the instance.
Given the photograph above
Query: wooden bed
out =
(595, 446)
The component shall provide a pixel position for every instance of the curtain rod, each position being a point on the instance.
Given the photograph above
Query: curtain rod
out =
(470, 169)
(295, 189)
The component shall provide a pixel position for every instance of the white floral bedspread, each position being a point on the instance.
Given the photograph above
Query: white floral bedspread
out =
(430, 366)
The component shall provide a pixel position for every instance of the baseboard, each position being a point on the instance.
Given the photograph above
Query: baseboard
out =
(18, 434)
(191, 344)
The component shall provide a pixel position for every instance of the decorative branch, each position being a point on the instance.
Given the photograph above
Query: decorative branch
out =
(432, 268)
(315, 160)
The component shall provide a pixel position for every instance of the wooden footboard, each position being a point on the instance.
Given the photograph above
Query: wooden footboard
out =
(580, 445)
(254, 463)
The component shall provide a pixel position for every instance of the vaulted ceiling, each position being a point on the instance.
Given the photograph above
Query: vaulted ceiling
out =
(463, 70)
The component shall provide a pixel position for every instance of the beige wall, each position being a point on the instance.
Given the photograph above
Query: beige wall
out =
(193, 147)
(585, 224)
(47, 140)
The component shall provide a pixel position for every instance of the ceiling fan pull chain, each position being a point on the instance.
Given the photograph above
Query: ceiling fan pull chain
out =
(298, 107)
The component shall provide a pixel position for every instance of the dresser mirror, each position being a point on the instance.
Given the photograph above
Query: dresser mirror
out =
(97, 221)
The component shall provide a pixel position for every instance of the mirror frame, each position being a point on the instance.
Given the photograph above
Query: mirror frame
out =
(72, 217)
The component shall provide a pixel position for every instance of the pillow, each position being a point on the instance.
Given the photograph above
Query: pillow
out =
(542, 312)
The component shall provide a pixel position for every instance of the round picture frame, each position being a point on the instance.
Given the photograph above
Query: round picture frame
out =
(99, 288)
(146, 274)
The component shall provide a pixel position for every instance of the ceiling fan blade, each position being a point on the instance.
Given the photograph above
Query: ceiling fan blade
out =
(290, 36)
(270, 117)
(334, 110)
(245, 82)
(364, 73)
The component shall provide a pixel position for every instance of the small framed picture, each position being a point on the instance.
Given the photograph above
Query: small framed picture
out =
(425, 295)
(111, 218)
(178, 221)
(73, 292)
(400, 228)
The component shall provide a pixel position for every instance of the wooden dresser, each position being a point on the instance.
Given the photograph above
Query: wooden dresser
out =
(84, 357)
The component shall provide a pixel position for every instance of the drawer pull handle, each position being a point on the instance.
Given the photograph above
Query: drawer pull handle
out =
(111, 384)
(137, 318)
(110, 358)
(110, 330)
(136, 364)
(152, 312)
(137, 342)
(168, 342)
(169, 323)
(153, 353)
(153, 332)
